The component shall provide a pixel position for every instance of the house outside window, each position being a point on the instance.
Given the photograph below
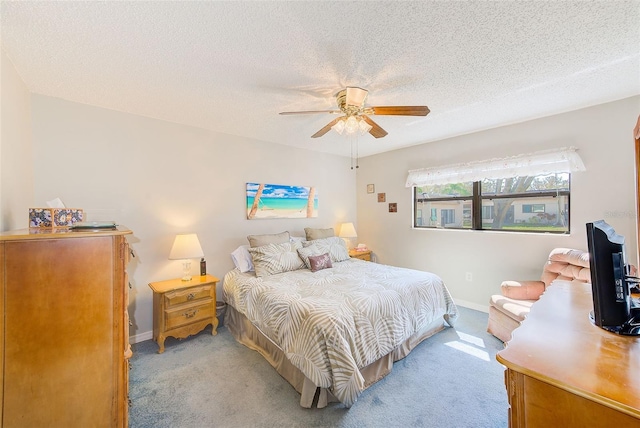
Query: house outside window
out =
(537, 203)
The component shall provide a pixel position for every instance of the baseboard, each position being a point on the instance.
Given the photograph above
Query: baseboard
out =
(147, 335)
(472, 305)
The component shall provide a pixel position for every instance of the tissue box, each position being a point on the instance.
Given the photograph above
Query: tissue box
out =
(54, 217)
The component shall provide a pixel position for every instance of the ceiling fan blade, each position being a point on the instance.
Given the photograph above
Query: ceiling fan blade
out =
(326, 129)
(402, 110)
(375, 130)
(310, 112)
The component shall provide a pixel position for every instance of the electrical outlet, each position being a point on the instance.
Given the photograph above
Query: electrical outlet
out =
(468, 276)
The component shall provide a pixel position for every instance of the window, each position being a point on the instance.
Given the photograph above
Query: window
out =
(533, 208)
(527, 192)
(538, 203)
(448, 216)
(487, 212)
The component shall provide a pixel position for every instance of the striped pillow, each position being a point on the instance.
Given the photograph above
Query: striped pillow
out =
(276, 258)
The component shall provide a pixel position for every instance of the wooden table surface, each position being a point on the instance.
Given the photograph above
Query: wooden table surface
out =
(558, 344)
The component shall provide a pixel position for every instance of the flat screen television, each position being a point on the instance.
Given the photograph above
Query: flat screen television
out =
(613, 309)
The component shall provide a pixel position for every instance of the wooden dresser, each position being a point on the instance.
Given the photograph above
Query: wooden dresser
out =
(64, 328)
(564, 371)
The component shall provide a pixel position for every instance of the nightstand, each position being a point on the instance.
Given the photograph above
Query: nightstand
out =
(182, 308)
(362, 255)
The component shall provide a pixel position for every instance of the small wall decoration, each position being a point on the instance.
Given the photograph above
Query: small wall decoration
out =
(281, 201)
(393, 207)
(371, 188)
(382, 197)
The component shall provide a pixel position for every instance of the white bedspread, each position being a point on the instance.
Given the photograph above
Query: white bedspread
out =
(332, 322)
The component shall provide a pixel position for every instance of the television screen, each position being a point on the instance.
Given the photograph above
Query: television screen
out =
(607, 262)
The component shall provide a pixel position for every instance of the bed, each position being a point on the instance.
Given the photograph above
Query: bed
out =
(334, 331)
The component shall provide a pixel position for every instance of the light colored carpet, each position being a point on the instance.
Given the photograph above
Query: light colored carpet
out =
(450, 380)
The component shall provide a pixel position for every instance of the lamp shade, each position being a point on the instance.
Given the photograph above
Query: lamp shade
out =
(186, 246)
(347, 231)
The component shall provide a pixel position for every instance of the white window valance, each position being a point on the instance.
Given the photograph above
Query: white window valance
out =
(538, 163)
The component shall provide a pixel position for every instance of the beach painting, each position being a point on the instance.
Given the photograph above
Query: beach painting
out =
(281, 201)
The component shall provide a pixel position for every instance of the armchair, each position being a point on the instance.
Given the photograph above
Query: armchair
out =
(509, 309)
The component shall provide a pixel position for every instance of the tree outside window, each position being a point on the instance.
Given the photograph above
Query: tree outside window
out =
(528, 203)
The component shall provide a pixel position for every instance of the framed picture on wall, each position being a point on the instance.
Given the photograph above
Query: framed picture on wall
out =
(371, 188)
(280, 201)
(393, 207)
(382, 197)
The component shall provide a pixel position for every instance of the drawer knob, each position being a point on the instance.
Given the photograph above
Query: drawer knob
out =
(190, 314)
(191, 296)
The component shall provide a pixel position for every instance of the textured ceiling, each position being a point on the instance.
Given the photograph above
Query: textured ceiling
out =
(232, 66)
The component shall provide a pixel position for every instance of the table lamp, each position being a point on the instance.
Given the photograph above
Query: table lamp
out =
(347, 231)
(186, 247)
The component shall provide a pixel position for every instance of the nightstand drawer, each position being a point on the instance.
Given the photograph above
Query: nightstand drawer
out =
(192, 294)
(188, 314)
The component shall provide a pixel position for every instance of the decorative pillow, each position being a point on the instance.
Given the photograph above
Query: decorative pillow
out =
(260, 240)
(318, 233)
(297, 239)
(306, 252)
(242, 259)
(320, 262)
(271, 259)
(335, 246)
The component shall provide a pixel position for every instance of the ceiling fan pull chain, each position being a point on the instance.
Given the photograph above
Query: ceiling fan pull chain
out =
(351, 157)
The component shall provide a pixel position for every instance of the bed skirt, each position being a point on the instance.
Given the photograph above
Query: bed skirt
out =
(250, 336)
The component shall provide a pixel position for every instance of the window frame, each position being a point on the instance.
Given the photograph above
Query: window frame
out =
(477, 198)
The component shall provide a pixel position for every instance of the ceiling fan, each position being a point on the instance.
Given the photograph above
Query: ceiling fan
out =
(356, 116)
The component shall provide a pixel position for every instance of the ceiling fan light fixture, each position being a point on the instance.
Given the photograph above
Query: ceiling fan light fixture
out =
(351, 126)
(339, 126)
(363, 126)
(356, 121)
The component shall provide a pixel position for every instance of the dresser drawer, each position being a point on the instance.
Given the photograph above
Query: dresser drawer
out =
(188, 314)
(192, 294)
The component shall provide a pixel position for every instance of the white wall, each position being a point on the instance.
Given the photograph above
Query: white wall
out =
(603, 135)
(16, 164)
(160, 178)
